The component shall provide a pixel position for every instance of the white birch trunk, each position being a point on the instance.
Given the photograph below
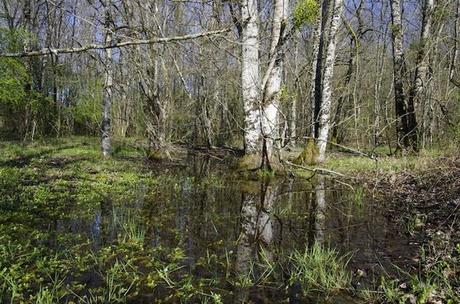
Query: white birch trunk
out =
(325, 112)
(107, 98)
(264, 220)
(245, 249)
(250, 78)
(419, 96)
(317, 57)
(273, 78)
(320, 211)
(398, 74)
(422, 72)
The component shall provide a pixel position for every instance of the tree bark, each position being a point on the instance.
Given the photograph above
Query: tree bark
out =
(317, 68)
(398, 75)
(456, 49)
(325, 112)
(250, 78)
(352, 69)
(422, 75)
(108, 71)
(320, 211)
(272, 81)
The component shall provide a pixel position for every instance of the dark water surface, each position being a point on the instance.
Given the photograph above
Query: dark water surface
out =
(225, 228)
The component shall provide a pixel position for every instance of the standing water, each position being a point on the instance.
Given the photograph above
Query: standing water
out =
(199, 233)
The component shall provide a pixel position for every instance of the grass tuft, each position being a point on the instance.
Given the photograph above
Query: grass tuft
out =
(319, 269)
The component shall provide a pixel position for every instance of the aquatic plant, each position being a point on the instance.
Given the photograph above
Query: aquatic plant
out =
(319, 269)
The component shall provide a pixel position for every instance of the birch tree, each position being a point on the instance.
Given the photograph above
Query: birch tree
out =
(421, 80)
(398, 75)
(108, 75)
(325, 112)
(317, 67)
(272, 80)
(250, 77)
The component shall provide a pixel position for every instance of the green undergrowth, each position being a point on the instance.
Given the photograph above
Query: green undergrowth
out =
(56, 182)
(79, 228)
(351, 165)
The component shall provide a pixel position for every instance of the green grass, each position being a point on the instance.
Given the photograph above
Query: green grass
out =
(359, 164)
(319, 269)
(349, 164)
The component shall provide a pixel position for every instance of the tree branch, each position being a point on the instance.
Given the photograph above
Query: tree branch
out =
(52, 51)
(323, 171)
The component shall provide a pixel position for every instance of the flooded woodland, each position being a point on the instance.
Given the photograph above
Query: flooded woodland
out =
(76, 228)
(243, 151)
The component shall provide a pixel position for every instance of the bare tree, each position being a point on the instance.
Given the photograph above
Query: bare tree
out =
(317, 66)
(272, 80)
(250, 77)
(398, 75)
(108, 75)
(325, 112)
(417, 93)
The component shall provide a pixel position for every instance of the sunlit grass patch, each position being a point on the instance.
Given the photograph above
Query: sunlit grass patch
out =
(319, 269)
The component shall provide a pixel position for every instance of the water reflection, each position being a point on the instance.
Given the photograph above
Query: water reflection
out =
(320, 211)
(102, 228)
(316, 233)
(241, 225)
(255, 236)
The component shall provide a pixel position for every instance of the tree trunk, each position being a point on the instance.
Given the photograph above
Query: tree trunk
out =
(456, 50)
(245, 253)
(272, 81)
(352, 69)
(320, 211)
(293, 123)
(398, 74)
(317, 68)
(250, 78)
(151, 79)
(107, 98)
(325, 112)
(418, 90)
(156, 113)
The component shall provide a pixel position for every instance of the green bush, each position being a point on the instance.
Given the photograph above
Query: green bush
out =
(305, 11)
(87, 111)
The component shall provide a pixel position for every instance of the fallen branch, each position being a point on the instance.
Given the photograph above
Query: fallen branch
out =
(53, 51)
(358, 152)
(316, 170)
